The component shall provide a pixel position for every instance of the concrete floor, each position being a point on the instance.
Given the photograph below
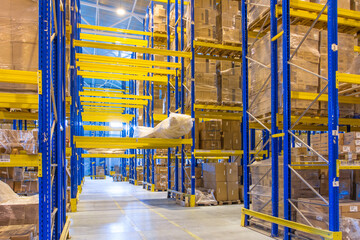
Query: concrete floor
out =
(118, 210)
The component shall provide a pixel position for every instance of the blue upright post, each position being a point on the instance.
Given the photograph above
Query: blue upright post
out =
(168, 91)
(287, 113)
(25, 125)
(333, 116)
(20, 125)
(308, 135)
(182, 97)
(274, 111)
(245, 95)
(45, 117)
(192, 38)
(14, 125)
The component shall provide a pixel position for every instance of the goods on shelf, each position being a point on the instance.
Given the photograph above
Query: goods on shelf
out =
(161, 177)
(19, 232)
(228, 24)
(223, 178)
(229, 74)
(19, 40)
(204, 197)
(18, 141)
(21, 181)
(187, 178)
(159, 18)
(17, 210)
(205, 21)
(318, 216)
(210, 135)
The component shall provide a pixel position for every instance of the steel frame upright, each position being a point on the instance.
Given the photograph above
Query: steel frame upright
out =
(168, 98)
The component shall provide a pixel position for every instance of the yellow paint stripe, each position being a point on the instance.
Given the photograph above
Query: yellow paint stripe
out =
(130, 221)
(170, 221)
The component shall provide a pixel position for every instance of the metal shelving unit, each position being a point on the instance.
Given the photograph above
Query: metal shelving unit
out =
(290, 12)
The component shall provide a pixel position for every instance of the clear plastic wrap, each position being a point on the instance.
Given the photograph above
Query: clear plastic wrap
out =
(19, 40)
(205, 21)
(27, 231)
(175, 126)
(230, 82)
(257, 10)
(229, 22)
(159, 19)
(204, 196)
(15, 141)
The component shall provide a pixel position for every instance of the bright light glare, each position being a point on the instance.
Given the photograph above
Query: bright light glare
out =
(120, 11)
(115, 124)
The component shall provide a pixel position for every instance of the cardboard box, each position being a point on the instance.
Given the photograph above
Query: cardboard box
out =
(227, 140)
(210, 144)
(232, 174)
(221, 191)
(233, 191)
(214, 172)
(210, 135)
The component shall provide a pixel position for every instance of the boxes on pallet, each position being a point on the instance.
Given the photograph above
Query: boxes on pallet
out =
(231, 135)
(19, 232)
(229, 22)
(159, 19)
(161, 178)
(210, 135)
(19, 40)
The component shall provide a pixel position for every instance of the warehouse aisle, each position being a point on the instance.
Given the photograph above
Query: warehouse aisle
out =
(117, 210)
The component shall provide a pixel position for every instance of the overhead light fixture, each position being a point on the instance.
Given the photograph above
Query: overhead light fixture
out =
(120, 11)
(116, 124)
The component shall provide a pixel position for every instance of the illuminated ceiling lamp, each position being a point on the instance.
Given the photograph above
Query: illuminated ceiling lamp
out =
(120, 11)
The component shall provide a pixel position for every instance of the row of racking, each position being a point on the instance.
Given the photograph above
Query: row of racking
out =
(284, 168)
(39, 104)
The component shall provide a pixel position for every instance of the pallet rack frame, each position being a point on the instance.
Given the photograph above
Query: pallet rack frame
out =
(288, 135)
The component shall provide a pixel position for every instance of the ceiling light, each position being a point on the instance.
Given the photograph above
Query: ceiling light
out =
(120, 11)
(116, 124)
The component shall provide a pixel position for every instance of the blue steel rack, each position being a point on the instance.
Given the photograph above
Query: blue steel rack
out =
(287, 135)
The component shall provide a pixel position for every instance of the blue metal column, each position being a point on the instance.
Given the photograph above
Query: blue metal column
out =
(245, 95)
(45, 120)
(333, 116)
(152, 101)
(20, 124)
(182, 100)
(14, 125)
(274, 111)
(287, 113)
(193, 160)
(308, 135)
(168, 91)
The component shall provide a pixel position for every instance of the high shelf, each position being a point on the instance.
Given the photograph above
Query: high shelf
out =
(282, 126)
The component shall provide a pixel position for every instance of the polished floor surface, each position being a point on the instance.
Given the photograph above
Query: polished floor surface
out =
(118, 210)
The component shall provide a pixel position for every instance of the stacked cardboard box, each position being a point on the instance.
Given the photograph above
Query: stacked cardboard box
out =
(100, 172)
(187, 171)
(223, 178)
(21, 181)
(19, 232)
(159, 18)
(161, 177)
(318, 215)
(231, 137)
(256, 10)
(19, 40)
(229, 74)
(205, 21)
(229, 22)
(206, 82)
(210, 135)
(18, 141)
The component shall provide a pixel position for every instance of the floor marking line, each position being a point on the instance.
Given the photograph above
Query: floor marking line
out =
(170, 221)
(130, 221)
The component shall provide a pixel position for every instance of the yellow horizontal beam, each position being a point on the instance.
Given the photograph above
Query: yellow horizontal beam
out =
(122, 77)
(106, 117)
(218, 58)
(357, 49)
(171, 1)
(114, 100)
(112, 68)
(310, 11)
(106, 155)
(105, 105)
(159, 117)
(217, 46)
(278, 135)
(101, 109)
(102, 38)
(323, 97)
(290, 224)
(348, 78)
(130, 143)
(18, 116)
(105, 89)
(125, 61)
(323, 120)
(19, 105)
(21, 160)
(114, 95)
(101, 128)
(119, 30)
(19, 98)
(79, 43)
(18, 76)
(216, 107)
(217, 153)
(218, 115)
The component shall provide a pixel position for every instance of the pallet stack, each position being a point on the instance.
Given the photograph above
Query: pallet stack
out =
(229, 22)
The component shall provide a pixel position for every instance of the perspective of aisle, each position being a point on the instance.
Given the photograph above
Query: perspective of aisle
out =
(117, 210)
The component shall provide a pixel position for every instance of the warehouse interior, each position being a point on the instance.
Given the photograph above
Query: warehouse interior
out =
(180, 119)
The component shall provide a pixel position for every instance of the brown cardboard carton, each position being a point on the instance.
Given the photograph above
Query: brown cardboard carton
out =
(236, 141)
(214, 172)
(210, 144)
(232, 174)
(221, 191)
(233, 191)
(210, 135)
(227, 140)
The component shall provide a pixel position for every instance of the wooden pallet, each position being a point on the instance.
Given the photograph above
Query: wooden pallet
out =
(160, 190)
(229, 202)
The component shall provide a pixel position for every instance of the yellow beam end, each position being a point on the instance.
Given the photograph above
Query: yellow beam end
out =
(153, 187)
(278, 135)
(277, 36)
(357, 49)
(192, 200)
(135, 182)
(73, 204)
